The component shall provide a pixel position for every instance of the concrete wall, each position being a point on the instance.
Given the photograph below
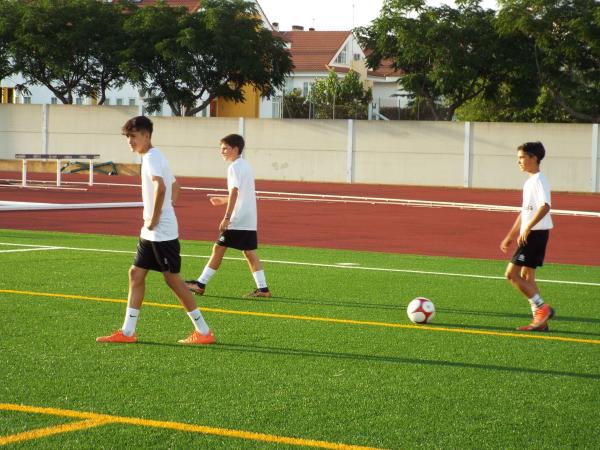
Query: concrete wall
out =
(481, 155)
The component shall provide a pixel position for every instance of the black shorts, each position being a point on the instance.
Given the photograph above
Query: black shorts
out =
(160, 256)
(239, 239)
(532, 254)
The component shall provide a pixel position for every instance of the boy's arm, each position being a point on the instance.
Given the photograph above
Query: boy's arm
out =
(175, 191)
(159, 198)
(231, 200)
(514, 231)
(539, 215)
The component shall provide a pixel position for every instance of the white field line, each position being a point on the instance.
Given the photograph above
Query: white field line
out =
(334, 266)
(34, 249)
(328, 198)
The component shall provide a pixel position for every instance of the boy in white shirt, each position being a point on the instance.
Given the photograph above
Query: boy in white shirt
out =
(531, 228)
(238, 227)
(158, 247)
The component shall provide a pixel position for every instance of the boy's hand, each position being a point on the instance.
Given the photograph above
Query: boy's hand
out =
(224, 224)
(505, 244)
(218, 201)
(149, 224)
(523, 237)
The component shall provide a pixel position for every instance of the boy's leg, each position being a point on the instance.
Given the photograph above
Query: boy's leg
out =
(258, 274)
(529, 274)
(514, 275)
(216, 257)
(185, 297)
(523, 279)
(135, 298)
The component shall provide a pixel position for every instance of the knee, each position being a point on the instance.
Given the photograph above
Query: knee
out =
(136, 275)
(511, 275)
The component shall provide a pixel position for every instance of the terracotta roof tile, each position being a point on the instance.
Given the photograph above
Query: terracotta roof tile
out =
(313, 50)
(191, 5)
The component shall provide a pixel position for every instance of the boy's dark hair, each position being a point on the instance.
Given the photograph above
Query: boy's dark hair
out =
(234, 140)
(138, 123)
(534, 148)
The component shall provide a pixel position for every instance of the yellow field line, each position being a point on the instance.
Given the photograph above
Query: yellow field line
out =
(49, 431)
(101, 419)
(324, 319)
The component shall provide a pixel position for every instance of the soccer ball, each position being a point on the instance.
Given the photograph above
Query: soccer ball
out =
(420, 310)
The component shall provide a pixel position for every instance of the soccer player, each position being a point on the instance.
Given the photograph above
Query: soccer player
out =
(531, 228)
(238, 226)
(158, 247)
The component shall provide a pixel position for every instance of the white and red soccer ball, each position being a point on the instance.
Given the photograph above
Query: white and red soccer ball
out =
(420, 310)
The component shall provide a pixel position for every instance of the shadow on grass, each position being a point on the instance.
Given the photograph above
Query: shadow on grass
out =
(551, 324)
(375, 358)
(525, 317)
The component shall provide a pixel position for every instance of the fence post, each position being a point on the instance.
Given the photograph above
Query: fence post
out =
(467, 152)
(594, 158)
(350, 152)
(45, 129)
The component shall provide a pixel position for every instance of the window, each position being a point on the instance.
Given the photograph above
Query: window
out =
(119, 102)
(79, 101)
(27, 100)
(53, 101)
(357, 57)
(306, 88)
(132, 102)
(107, 101)
(289, 85)
(341, 57)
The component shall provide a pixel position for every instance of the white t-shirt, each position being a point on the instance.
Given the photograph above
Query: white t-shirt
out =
(154, 164)
(536, 192)
(239, 175)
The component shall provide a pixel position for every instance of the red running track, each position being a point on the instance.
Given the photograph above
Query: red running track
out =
(371, 227)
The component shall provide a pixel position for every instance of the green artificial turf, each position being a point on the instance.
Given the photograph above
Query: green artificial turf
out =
(355, 373)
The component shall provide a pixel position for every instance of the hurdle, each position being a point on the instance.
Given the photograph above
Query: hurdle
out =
(58, 157)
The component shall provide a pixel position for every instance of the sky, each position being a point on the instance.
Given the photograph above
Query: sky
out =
(327, 15)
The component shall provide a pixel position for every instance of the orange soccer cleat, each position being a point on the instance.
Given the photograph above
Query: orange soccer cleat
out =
(118, 338)
(540, 319)
(196, 338)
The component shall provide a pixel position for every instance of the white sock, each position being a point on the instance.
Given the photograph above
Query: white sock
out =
(199, 321)
(259, 278)
(131, 317)
(539, 302)
(206, 275)
(533, 307)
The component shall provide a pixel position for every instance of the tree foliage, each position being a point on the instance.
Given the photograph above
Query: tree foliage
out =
(294, 105)
(7, 29)
(69, 46)
(339, 98)
(447, 55)
(188, 60)
(563, 39)
(536, 60)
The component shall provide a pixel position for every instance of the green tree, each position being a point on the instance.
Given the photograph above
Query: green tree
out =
(8, 11)
(62, 44)
(564, 43)
(339, 98)
(448, 56)
(294, 105)
(188, 60)
(107, 55)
